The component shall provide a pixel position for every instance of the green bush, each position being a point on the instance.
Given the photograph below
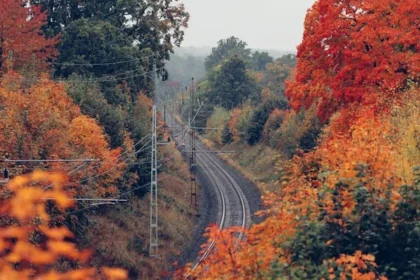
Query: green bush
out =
(226, 135)
(260, 117)
(231, 85)
(217, 121)
(309, 139)
(379, 225)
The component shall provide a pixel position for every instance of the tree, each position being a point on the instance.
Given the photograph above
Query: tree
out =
(93, 103)
(20, 33)
(42, 122)
(259, 119)
(277, 72)
(227, 136)
(344, 210)
(354, 50)
(326, 213)
(123, 37)
(260, 60)
(92, 42)
(225, 50)
(150, 24)
(230, 84)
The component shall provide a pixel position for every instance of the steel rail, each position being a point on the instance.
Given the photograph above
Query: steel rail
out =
(208, 162)
(216, 181)
(238, 191)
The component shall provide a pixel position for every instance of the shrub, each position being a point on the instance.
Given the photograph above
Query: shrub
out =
(226, 135)
(273, 123)
(260, 117)
(217, 121)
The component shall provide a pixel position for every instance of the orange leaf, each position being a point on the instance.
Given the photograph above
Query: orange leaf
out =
(114, 273)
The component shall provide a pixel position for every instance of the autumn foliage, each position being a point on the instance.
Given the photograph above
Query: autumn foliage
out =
(29, 244)
(356, 52)
(21, 38)
(344, 198)
(347, 207)
(42, 122)
(84, 127)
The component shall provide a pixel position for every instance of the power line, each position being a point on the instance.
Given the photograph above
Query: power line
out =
(49, 160)
(143, 148)
(91, 199)
(109, 78)
(121, 195)
(88, 64)
(168, 160)
(185, 133)
(69, 173)
(97, 175)
(136, 144)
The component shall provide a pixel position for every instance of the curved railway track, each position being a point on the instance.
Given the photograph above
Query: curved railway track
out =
(232, 204)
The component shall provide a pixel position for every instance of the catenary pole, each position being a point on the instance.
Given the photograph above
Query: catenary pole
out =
(193, 150)
(154, 238)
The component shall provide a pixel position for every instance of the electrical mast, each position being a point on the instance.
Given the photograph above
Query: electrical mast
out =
(154, 240)
(153, 193)
(193, 149)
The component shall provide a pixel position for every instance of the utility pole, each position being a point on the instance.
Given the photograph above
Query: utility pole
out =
(193, 149)
(164, 113)
(182, 101)
(154, 239)
(153, 250)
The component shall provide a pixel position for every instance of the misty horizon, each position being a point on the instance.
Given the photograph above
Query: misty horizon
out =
(266, 25)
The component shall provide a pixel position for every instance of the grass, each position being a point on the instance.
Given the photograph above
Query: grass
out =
(256, 163)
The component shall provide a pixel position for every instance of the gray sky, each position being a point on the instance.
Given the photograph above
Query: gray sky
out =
(263, 24)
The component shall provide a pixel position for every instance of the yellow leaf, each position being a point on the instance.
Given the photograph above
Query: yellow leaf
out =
(62, 200)
(39, 175)
(370, 258)
(17, 182)
(56, 233)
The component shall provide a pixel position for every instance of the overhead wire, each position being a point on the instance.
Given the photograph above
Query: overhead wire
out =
(105, 79)
(169, 159)
(135, 145)
(190, 122)
(136, 152)
(137, 59)
(118, 164)
(109, 78)
(82, 165)
(69, 173)
(124, 193)
(120, 195)
(217, 125)
(97, 175)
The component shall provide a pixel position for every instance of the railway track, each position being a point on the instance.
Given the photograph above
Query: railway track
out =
(232, 205)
